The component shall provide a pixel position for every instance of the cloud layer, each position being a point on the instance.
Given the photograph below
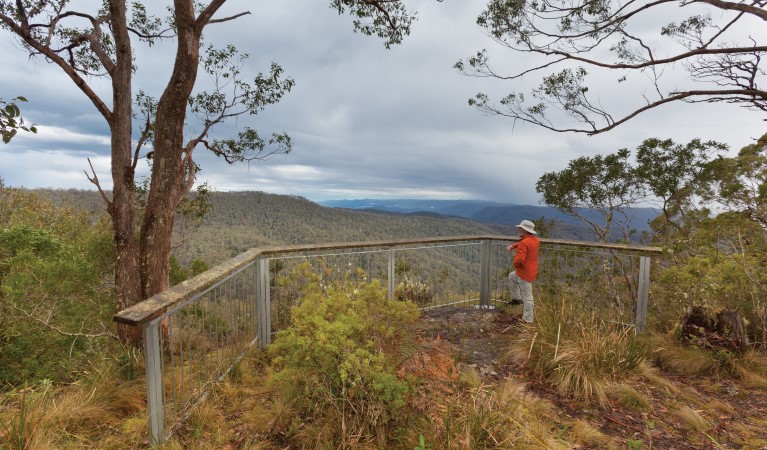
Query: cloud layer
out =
(366, 121)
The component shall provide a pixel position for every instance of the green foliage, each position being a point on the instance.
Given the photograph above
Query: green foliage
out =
(388, 20)
(197, 267)
(719, 264)
(674, 172)
(23, 238)
(545, 227)
(337, 360)
(605, 183)
(741, 182)
(177, 272)
(16, 431)
(402, 266)
(234, 96)
(421, 444)
(11, 121)
(53, 264)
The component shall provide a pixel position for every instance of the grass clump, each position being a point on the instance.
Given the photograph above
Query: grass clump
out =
(84, 414)
(584, 433)
(503, 415)
(692, 418)
(627, 396)
(578, 352)
(689, 360)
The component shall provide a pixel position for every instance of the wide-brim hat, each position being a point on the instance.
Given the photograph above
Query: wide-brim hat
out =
(527, 226)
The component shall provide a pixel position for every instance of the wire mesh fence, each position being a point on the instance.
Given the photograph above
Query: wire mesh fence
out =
(196, 334)
(201, 339)
(429, 276)
(603, 280)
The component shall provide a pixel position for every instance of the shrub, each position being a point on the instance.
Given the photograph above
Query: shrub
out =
(54, 263)
(414, 291)
(337, 361)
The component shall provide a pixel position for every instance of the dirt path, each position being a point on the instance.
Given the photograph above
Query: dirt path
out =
(481, 336)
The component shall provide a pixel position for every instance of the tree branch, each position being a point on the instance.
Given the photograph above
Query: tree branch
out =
(227, 19)
(377, 5)
(160, 35)
(679, 96)
(142, 140)
(730, 6)
(652, 62)
(92, 38)
(23, 32)
(207, 14)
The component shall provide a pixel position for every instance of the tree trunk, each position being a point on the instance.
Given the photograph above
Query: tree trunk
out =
(122, 209)
(171, 173)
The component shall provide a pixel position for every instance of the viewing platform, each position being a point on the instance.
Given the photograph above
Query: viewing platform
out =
(196, 331)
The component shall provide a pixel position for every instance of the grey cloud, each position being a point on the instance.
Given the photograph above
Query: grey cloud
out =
(366, 121)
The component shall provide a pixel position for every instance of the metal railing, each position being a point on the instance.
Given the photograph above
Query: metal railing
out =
(195, 332)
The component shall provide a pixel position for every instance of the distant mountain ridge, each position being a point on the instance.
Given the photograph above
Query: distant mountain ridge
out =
(460, 208)
(483, 211)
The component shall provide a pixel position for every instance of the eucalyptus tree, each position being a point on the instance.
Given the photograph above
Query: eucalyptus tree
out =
(11, 121)
(719, 46)
(740, 182)
(605, 184)
(98, 41)
(677, 178)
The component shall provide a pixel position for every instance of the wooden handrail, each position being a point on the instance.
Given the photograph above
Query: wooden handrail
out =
(158, 304)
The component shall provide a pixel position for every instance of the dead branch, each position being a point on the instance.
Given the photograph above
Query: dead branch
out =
(46, 323)
(95, 181)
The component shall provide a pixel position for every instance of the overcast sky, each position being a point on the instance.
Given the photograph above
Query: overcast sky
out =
(366, 122)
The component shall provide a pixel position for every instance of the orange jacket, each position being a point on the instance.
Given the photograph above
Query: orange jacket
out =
(526, 259)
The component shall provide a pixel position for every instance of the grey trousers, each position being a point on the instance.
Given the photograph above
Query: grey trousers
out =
(522, 290)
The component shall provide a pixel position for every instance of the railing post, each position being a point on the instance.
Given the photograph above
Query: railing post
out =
(263, 302)
(484, 274)
(643, 293)
(154, 383)
(391, 274)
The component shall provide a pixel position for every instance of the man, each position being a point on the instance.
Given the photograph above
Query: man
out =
(525, 268)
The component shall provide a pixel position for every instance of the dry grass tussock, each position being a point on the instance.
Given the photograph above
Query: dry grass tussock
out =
(578, 352)
(627, 396)
(478, 415)
(94, 412)
(678, 358)
(692, 418)
(585, 434)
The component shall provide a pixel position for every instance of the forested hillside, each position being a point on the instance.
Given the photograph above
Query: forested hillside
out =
(242, 220)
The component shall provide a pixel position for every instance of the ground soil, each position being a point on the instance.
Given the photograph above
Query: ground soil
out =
(737, 414)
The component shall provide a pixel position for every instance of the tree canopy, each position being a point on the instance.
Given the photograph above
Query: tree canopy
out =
(715, 42)
(663, 173)
(98, 41)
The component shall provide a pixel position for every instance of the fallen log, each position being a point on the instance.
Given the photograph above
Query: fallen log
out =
(714, 329)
